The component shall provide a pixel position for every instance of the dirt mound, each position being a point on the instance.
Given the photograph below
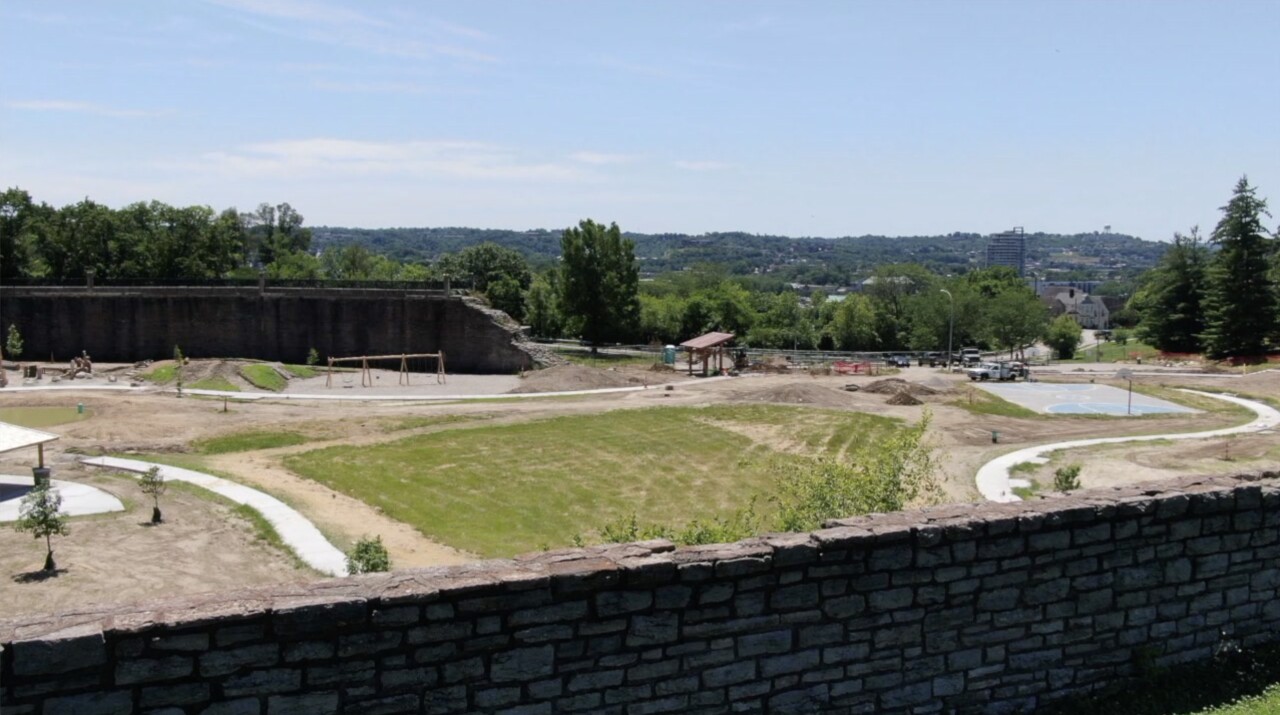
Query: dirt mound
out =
(890, 385)
(573, 377)
(797, 393)
(903, 398)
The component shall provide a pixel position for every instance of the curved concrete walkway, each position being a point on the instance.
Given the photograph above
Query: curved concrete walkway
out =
(993, 477)
(295, 529)
(77, 499)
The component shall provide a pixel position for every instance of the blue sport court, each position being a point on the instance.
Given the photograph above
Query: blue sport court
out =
(1078, 399)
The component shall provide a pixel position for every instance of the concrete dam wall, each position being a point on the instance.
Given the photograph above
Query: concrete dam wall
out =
(137, 323)
(971, 608)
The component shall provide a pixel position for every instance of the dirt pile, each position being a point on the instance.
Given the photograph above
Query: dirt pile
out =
(574, 377)
(891, 385)
(903, 398)
(797, 393)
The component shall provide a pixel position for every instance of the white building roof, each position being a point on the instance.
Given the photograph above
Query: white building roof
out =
(14, 437)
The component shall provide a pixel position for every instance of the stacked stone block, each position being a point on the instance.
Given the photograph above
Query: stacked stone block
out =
(959, 608)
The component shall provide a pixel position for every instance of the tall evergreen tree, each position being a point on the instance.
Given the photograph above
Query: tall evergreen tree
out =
(599, 282)
(1171, 302)
(1240, 301)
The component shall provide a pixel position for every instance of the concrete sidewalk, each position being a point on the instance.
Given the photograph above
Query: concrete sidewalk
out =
(295, 529)
(993, 477)
(77, 499)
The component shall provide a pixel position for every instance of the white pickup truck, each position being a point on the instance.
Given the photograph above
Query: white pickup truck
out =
(1002, 371)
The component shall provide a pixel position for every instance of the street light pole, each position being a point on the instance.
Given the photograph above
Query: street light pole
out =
(951, 331)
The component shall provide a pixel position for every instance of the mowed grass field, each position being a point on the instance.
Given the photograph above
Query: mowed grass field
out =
(500, 490)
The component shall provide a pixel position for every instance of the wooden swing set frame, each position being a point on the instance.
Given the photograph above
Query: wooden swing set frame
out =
(366, 377)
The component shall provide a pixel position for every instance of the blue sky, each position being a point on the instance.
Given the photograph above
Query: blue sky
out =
(798, 118)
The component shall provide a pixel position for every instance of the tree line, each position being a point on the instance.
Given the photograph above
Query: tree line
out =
(1220, 297)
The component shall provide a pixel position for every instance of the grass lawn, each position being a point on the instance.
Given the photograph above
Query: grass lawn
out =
(247, 441)
(162, 374)
(263, 377)
(302, 371)
(1111, 352)
(506, 489)
(40, 417)
(579, 357)
(214, 383)
(981, 402)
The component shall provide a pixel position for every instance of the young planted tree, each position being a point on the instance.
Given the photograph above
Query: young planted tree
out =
(599, 282)
(1240, 301)
(153, 485)
(13, 343)
(178, 361)
(40, 514)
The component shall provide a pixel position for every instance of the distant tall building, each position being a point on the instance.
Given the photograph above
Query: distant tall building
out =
(1008, 249)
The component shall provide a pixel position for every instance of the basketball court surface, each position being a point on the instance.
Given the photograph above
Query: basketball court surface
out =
(1078, 399)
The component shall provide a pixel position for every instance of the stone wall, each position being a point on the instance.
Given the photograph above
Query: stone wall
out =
(131, 324)
(968, 608)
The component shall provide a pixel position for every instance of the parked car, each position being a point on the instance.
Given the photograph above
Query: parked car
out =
(930, 359)
(971, 356)
(898, 361)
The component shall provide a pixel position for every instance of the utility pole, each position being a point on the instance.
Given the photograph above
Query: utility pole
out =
(951, 331)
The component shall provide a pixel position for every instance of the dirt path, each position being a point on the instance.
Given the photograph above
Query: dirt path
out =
(340, 517)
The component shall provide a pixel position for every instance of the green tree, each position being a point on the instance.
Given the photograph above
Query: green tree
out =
(153, 485)
(40, 514)
(1240, 301)
(853, 326)
(368, 556)
(1063, 336)
(660, 318)
(13, 343)
(599, 281)
(1015, 318)
(1170, 300)
(541, 307)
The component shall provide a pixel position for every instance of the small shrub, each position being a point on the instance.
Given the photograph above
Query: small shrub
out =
(1066, 479)
(178, 361)
(368, 556)
(313, 358)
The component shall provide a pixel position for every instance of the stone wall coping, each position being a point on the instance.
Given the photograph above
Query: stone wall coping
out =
(640, 564)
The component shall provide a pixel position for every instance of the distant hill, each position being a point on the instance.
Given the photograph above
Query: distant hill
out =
(814, 260)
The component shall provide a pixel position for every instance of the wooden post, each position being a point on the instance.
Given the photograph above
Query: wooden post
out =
(404, 371)
(40, 450)
(328, 380)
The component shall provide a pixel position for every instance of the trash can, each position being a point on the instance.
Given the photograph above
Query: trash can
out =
(669, 355)
(79, 408)
(41, 475)
(995, 437)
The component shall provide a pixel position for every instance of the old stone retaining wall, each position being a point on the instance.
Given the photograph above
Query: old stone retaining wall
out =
(964, 608)
(116, 324)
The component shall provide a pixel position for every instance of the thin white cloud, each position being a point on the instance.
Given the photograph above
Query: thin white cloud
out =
(370, 87)
(62, 105)
(300, 10)
(702, 165)
(345, 157)
(601, 159)
(343, 27)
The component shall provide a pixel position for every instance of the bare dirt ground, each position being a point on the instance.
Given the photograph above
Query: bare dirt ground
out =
(112, 555)
(119, 557)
